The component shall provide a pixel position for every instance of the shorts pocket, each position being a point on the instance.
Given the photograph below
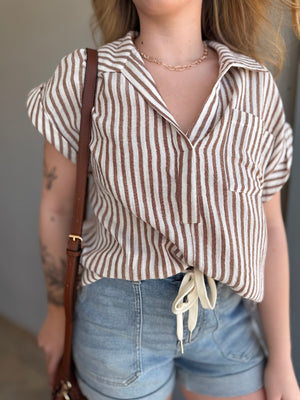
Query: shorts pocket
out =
(235, 335)
(106, 343)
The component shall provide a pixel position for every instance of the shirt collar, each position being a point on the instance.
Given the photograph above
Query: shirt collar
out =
(123, 49)
(229, 58)
(122, 56)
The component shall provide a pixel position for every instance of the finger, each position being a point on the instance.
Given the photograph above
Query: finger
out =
(52, 365)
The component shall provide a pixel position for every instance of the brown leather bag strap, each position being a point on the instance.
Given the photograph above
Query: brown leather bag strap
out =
(84, 140)
(75, 240)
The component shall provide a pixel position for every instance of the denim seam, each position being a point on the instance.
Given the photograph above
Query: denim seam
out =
(200, 324)
(138, 309)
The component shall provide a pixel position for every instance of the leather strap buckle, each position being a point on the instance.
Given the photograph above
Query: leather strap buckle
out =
(64, 390)
(76, 237)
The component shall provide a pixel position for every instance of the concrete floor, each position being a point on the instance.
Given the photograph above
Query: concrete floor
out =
(22, 369)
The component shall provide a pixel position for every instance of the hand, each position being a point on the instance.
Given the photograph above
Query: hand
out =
(51, 339)
(280, 381)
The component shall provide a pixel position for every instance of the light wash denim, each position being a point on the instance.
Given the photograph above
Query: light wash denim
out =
(125, 343)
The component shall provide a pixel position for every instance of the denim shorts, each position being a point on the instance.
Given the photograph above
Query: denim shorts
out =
(125, 344)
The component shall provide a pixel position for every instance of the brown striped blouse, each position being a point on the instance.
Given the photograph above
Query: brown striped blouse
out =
(163, 200)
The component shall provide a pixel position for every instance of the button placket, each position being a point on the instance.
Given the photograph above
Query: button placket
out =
(187, 187)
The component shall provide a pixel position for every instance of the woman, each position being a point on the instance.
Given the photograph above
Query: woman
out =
(189, 151)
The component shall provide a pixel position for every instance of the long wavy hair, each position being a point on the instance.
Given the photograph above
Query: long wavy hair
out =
(251, 27)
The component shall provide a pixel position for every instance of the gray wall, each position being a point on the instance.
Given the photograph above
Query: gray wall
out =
(293, 232)
(289, 85)
(33, 38)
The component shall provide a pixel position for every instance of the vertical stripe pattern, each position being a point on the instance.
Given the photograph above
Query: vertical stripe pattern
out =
(162, 200)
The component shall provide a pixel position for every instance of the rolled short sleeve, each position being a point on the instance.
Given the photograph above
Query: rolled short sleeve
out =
(279, 162)
(54, 107)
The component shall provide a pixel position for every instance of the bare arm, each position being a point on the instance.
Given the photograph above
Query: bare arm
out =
(55, 225)
(280, 381)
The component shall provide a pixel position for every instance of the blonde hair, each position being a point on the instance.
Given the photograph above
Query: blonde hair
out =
(244, 26)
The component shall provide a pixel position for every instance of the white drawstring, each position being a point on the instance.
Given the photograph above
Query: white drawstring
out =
(191, 289)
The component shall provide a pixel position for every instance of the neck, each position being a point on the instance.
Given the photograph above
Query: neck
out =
(176, 39)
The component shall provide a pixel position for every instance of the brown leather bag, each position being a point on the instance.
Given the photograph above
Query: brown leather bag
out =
(66, 386)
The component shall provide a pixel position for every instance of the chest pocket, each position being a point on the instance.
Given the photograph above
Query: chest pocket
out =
(244, 153)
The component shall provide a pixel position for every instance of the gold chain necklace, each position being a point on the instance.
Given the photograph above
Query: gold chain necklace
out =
(177, 68)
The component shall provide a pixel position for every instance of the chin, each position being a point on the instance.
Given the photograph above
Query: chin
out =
(161, 7)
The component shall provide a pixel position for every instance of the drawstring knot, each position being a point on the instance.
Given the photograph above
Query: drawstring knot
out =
(191, 289)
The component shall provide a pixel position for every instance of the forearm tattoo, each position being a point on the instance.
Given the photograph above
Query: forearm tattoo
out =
(49, 175)
(55, 276)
